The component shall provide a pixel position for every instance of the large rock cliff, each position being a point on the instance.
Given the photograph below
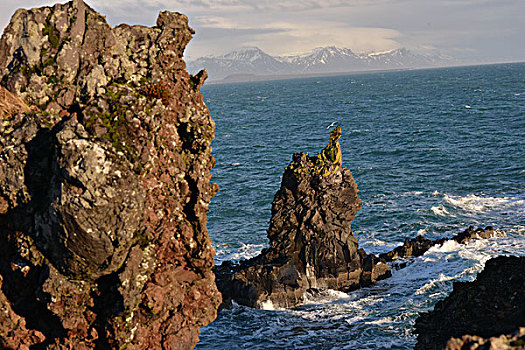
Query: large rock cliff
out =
(104, 184)
(492, 306)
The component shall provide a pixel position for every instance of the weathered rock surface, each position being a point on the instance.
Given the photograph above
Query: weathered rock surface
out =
(105, 166)
(491, 306)
(311, 241)
(420, 245)
(515, 340)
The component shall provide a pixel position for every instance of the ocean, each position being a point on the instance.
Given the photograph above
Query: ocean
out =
(432, 151)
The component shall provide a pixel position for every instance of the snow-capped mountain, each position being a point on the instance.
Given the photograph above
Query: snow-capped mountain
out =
(243, 61)
(402, 58)
(324, 60)
(254, 61)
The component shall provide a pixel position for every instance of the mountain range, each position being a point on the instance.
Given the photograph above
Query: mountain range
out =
(252, 62)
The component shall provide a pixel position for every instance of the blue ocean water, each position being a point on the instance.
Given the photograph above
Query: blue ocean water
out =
(432, 151)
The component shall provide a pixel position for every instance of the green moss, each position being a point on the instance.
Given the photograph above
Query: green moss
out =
(118, 131)
(49, 62)
(194, 81)
(47, 119)
(51, 33)
(119, 81)
(53, 80)
(26, 71)
(518, 342)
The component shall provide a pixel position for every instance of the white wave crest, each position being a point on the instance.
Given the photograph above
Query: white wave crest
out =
(337, 294)
(475, 203)
(381, 321)
(267, 305)
(446, 247)
(374, 242)
(440, 210)
(246, 251)
(323, 296)
(433, 283)
(354, 319)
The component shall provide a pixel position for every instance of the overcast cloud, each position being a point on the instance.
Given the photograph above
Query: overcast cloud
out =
(476, 30)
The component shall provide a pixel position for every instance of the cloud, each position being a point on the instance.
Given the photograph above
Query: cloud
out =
(295, 5)
(300, 37)
(489, 27)
(215, 22)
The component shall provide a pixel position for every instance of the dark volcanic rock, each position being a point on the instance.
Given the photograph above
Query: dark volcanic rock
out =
(311, 242)
(104, 184)
(492, 305)
(515, 340)
(420, 245)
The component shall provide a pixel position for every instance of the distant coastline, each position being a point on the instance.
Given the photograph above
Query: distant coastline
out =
(248, 78)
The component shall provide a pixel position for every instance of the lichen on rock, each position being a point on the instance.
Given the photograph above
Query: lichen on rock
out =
(327, 162)
(104, 184)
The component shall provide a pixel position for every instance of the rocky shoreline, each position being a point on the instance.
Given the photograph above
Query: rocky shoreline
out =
(104, 190)
(492, 306)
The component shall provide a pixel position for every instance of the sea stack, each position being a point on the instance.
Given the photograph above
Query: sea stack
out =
(104, 184)
(311, 243)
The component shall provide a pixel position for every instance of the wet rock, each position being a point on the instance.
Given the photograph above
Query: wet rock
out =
(418, 246)
(311, 241)
(491, 306)
(104, 184)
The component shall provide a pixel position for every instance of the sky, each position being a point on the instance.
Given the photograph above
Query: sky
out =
(470, 30)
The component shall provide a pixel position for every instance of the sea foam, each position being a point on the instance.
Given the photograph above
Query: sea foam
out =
(479, 203)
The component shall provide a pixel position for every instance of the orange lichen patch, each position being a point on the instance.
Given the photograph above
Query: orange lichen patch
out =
(157, 90)
(11, 104)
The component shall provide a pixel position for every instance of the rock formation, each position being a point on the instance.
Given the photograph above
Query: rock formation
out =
(311, 242)
(515, 340)
(420, 245)
(104, 184)
(491, 306)
(312, 247)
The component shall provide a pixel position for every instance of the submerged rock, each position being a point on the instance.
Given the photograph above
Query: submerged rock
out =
(104, 184)
(311, 242)
(491, 306)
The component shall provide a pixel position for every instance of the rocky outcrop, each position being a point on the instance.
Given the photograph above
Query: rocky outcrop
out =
(311, 241)
(420, 245)
(312, 247)
(104, 184)
(515, 340)
(491, 306)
